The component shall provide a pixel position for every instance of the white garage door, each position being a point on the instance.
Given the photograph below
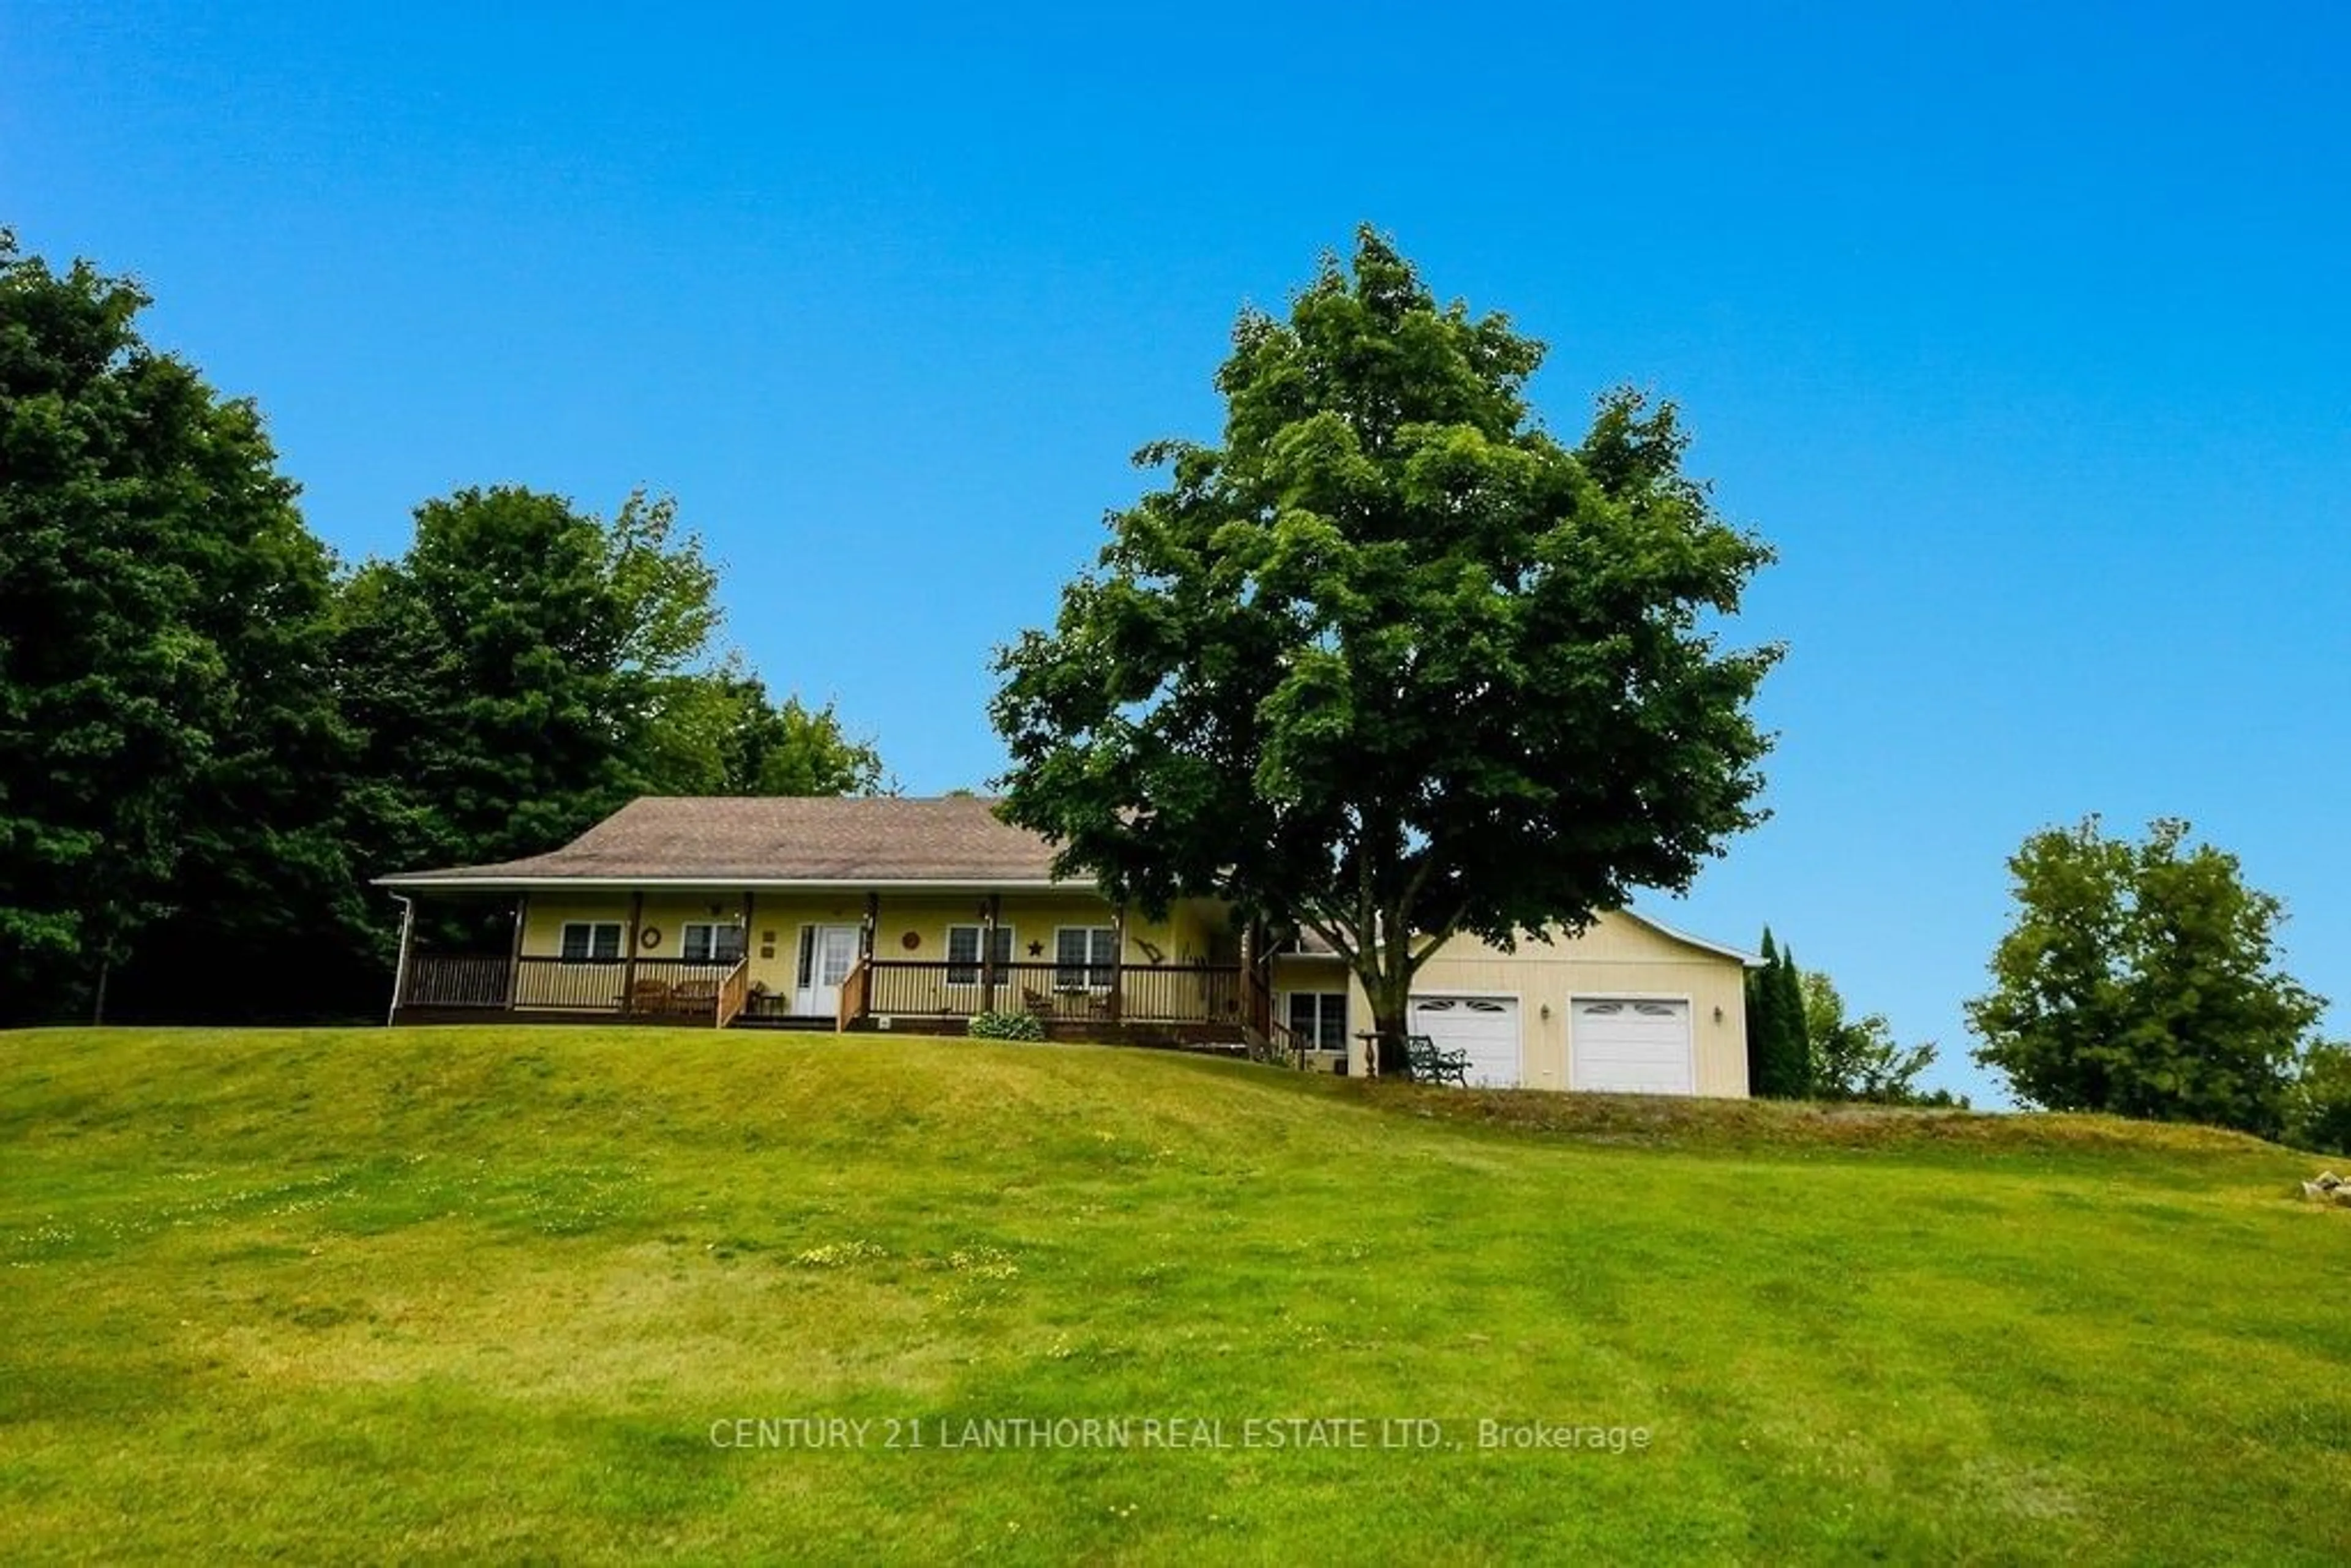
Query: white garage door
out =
(1485, 1028)
(1626, 1047)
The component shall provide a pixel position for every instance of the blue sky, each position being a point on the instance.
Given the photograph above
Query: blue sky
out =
(2020, 331)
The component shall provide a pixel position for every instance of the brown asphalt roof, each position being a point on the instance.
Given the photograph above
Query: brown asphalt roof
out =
(956, 838)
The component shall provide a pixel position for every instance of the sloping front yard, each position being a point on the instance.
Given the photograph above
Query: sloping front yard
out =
(578, 1295)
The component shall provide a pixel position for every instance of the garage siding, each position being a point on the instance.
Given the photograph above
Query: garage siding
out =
(1619, 956)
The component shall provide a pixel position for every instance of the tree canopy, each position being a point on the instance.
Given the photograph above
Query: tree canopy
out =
(162, 625)
(1392, 663)
(513, 671)
(526, 668)
(2142, 980)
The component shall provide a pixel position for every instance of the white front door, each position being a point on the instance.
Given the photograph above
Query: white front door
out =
(827, 955)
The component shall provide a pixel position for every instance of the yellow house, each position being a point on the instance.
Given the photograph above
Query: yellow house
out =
(849, 914)
(920, 914)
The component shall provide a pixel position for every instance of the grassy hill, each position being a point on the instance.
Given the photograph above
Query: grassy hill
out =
(448, 1294)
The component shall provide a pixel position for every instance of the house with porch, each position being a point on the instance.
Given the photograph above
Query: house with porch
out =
(917, 916)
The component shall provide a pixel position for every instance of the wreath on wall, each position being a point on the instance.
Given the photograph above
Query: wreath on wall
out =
(649, 939)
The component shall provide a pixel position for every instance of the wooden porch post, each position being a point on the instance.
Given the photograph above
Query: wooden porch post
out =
(514, 954)
(629, 956)
(748, 909)
(1247, 988)
(989, 915)
(1116, 1001)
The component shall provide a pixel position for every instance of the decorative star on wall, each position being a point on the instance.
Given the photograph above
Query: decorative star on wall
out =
(1036, 949)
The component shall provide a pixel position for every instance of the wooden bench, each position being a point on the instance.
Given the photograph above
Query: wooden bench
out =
(1431, 1065)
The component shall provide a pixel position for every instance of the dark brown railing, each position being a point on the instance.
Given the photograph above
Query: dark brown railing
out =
(455, 981)
(650, 987)
(1282, 1046)
(1102, 993)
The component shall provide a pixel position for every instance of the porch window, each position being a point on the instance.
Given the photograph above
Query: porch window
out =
(710, 942)
(1085, 958)
(591, 941)
(962, 953)
(1320, 1018)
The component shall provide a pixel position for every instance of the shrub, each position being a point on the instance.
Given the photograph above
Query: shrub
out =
(1007, 1026)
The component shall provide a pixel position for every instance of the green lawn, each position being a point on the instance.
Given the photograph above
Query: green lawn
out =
(451, 1294)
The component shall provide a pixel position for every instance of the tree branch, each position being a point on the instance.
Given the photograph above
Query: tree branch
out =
(1441, 936)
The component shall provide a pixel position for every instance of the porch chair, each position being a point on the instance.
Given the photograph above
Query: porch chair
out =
(1434, 1066)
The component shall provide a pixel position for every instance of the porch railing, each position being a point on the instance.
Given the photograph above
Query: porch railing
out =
(650, 987)
(1279, 1044)
(855, 986)
(654, 987)
(734, 993)
(1066, 993)
(455, 981)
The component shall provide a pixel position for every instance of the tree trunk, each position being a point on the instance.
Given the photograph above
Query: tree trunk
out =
(98, 1002)
(1391, 997)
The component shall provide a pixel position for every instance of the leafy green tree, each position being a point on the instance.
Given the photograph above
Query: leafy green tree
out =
(2142, 980)
(2319, 1107)
(526, 668)
(1392, 663)
(1858, 1058)
(168, 741)
(511, 671)
(745, 743)
(790, 749)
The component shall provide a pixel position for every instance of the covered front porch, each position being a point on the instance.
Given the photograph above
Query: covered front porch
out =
(912, 959)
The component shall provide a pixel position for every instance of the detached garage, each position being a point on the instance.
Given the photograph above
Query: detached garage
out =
(1630, 1007)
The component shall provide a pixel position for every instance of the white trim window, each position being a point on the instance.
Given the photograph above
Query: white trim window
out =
(710, 942)
(1319, 1018)
(1085, 958)
(590, 942)
(962, 953)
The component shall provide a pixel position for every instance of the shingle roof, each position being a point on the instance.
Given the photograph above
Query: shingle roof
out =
(730, 840)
